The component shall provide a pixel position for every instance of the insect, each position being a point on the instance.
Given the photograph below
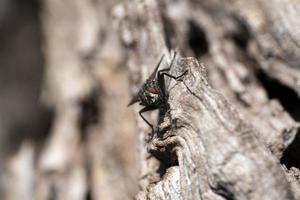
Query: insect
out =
(152, 94)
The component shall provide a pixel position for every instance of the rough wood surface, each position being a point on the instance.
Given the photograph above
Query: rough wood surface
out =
(220, 153)
(277, 39)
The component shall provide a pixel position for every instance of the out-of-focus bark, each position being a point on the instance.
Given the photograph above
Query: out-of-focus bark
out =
(86, 87)
(85, 155)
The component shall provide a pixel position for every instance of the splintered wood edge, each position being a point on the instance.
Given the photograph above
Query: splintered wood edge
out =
(219, 154)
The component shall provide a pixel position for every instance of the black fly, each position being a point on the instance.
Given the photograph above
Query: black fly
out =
(152, 94)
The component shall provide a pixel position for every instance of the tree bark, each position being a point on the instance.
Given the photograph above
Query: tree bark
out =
(207, 147)
(228, 129)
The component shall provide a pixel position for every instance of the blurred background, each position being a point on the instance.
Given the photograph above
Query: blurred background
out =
(22, 68)
(60, 96)
(65, 129)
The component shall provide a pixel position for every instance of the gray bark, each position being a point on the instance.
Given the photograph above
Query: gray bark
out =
(207, 147)
(220, 135)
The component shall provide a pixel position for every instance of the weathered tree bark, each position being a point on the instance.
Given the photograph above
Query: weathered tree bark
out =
(204, 148)
(222, 134)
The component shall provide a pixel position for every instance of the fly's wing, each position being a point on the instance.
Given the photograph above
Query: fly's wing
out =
(152, 76)
(134, 100)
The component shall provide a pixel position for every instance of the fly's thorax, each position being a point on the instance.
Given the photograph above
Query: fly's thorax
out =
(151, 94)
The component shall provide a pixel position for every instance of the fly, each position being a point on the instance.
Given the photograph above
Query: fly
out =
(152, 94)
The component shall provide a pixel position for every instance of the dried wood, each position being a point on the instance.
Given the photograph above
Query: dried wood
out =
(218, 136)
(202, 134)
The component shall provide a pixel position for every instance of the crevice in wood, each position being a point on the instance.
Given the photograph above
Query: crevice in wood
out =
(238, 31)
(287, 97)
(291, 156)
(166, 155)
(291, 102)
(197, 39)
(222, 190)
(162, 170)
(163, 151)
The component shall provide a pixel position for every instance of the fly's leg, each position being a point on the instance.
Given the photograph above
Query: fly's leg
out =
(145, 109)
(163, 72)
(167, 69)
(173, 77)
